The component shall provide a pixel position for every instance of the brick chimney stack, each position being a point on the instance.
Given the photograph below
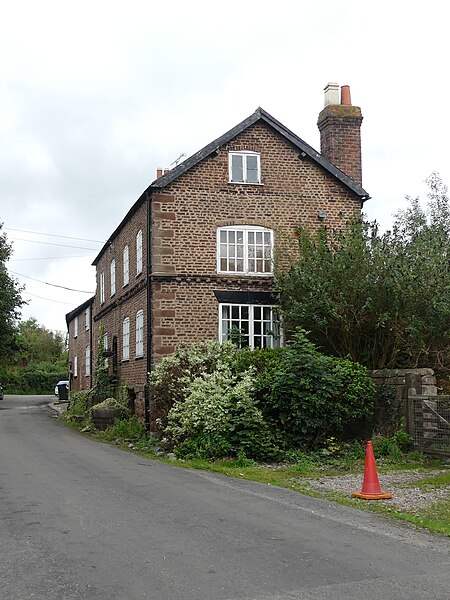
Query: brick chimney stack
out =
(339, 124)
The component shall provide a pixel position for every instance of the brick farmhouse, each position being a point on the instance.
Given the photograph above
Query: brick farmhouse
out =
(193, 258)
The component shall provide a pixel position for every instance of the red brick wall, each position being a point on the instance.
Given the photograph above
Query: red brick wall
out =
(127, 300)
(134, 370)
(186, 215)
(186, 311)
(77, 347)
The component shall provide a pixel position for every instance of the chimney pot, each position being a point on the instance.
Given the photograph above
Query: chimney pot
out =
(345, 95)
(159, 173)
(331, 94)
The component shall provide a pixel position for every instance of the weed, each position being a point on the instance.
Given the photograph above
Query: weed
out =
(126, 429)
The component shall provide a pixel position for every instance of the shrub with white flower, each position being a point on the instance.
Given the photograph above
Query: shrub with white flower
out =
(219, 418)
(172, 377)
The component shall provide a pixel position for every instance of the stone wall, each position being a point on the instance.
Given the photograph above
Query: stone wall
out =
(421, 382)
(393, 388)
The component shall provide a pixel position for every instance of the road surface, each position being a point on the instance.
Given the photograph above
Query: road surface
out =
(85, 520)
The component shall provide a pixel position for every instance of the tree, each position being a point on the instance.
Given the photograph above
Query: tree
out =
(380, 299)
(38, 361)
(37, 344)
(10, 302)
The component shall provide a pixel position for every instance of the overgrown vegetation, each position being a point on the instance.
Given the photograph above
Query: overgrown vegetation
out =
(220, 417)
(127, 429)
(105, 384)
(380, 299)
(77, 412)
(32, 358)
(170, 380)
(80, 409)
(216, 400)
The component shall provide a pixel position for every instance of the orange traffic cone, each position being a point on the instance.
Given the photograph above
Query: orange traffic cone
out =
(371, 486)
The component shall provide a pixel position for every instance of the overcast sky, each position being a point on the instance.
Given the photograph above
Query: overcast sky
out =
(95, 96)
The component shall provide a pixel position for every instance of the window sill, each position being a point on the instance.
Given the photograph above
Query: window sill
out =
(245, 183)
(125, 360)
(242, 274)
(139, 357)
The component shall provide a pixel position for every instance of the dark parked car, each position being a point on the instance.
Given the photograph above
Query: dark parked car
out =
(1, 392)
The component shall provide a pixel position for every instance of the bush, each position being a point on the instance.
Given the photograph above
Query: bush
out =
(312, 396)
(265, 363)
(170, 380)
(214, 400)
(392, 446)
(219, 418)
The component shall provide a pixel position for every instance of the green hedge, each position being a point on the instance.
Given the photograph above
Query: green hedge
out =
(34, 379)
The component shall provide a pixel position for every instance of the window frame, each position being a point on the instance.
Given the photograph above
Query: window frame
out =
(87, 318)
(126, 265)
(139, 261)
(126, 339)
(102, 287)
(88, 361)
(244, 154)
(105, 348)
(75, 327)
(140, 333)
(246, 229)
(112, 277)
(276, 341)
(75, 365)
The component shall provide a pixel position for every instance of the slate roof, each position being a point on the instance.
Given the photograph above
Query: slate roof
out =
(260, 114)
(78, 310)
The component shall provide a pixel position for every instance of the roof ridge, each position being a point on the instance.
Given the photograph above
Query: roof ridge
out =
(260, 113)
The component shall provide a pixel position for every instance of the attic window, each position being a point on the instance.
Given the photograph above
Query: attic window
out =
(244, 167)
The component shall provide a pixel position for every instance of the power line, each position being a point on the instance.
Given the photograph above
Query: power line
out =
(50, 257)
(52, 284)
(53, 244)
(50, 300)
(67, 237)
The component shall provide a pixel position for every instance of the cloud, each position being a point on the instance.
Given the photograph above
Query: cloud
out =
(96, 95)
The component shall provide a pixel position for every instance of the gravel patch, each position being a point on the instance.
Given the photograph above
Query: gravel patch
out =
(405, 495)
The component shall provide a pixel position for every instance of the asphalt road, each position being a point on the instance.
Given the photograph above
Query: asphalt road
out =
(81, 519)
